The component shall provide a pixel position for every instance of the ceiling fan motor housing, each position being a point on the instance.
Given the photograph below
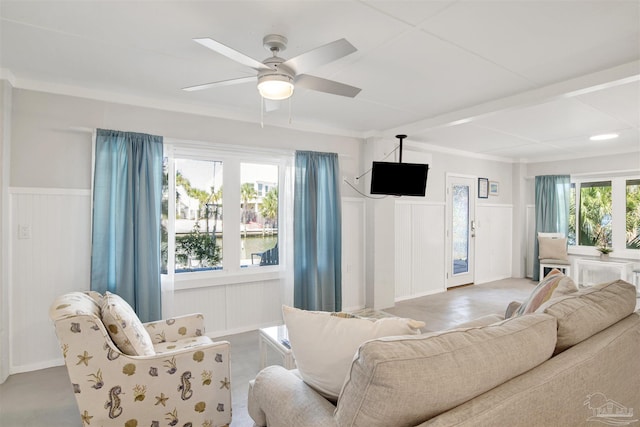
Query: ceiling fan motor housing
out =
(277, 82)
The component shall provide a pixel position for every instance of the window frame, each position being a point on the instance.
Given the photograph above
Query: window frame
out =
(231, 157)
(618, 216)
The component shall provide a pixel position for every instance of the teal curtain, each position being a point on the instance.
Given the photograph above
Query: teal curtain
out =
(127, 196)
(317, 232)
(552, 194)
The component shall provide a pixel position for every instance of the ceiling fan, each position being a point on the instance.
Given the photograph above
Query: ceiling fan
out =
(278, 77)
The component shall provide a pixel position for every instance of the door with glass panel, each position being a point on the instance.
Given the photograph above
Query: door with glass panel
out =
(461, 197)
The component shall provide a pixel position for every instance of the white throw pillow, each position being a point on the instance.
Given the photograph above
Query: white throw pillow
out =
(324, 345)
(124, 327)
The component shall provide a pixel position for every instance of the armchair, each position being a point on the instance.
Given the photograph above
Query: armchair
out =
(183, 380)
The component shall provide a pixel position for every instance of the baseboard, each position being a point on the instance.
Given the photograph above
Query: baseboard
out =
(36, 366)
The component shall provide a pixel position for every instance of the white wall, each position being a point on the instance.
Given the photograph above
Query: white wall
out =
(419, 254)
(5, 133)
(392, 263)
(50, 182)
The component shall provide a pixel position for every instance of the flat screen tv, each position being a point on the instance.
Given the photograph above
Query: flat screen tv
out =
(399, 179)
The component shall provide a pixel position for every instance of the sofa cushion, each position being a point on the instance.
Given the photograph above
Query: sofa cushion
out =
(553, 285)
(589, 311)
(481, 321)
(124, 327)
(404, 381)
(324, 345)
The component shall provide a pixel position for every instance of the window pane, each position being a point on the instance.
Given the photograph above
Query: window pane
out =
(198, 224)
(633, 214)
(259, 210)
(460, 228)
(571, 237)
(164, 237)
(595, 214)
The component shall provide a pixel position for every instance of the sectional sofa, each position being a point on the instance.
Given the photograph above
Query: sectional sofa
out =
(575, 361)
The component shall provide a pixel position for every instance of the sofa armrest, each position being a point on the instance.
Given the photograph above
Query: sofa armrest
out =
(278, 397)
(176, 328)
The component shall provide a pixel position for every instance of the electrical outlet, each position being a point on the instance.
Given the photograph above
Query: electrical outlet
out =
(24, 231)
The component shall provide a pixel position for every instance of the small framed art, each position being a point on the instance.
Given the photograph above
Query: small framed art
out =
(494, 188)
(483, 188)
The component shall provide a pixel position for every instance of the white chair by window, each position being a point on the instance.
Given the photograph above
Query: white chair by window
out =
(552, 253)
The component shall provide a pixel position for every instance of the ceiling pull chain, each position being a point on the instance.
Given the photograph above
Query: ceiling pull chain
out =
(262, 112)
(289, 110)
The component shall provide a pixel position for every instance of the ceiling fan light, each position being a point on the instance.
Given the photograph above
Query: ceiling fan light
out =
(275, 87)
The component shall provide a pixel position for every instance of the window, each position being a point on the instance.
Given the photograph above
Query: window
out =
(605, 213)
(633, 214)
(223, 213)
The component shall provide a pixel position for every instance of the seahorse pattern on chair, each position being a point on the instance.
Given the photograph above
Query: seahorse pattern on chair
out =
(184, 381)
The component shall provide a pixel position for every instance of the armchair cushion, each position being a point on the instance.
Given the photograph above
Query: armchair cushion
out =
(185, 343)
(124, 327)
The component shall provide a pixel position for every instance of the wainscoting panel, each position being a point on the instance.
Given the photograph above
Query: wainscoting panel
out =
(419, 245)
(493, 242)
(50, 255)
(531, 238)
(252, 305)
(353, 248)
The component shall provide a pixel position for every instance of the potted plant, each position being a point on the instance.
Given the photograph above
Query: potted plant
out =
(604, 251)
(602, 242)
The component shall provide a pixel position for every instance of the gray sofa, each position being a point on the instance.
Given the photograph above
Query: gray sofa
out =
(573, 361)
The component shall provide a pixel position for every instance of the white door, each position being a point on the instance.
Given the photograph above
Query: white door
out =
(461, 202)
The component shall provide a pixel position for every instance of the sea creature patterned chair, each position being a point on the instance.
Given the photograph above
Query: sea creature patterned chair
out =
(133, 374)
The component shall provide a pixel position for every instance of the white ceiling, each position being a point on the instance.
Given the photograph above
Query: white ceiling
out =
(515, 79)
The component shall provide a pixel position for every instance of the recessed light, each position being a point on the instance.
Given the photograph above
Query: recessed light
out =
(604, 137)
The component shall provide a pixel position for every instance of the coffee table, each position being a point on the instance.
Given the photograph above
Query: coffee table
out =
(276, 338)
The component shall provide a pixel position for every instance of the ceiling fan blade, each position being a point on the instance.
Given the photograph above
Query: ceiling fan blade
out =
(231, 53)
(323, 85)
(319, 56)
(221, 83)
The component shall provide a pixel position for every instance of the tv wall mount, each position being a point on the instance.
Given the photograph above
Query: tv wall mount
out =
(400, 137)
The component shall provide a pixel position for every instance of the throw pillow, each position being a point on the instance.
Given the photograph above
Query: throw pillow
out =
(324, 345)
(553, 285)
(552, 248)
(124, 327)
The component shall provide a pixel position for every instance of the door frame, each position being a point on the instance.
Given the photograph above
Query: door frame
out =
(448, 213)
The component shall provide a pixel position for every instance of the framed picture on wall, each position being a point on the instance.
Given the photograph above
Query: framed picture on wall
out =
(483, 188)
(494, 188)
